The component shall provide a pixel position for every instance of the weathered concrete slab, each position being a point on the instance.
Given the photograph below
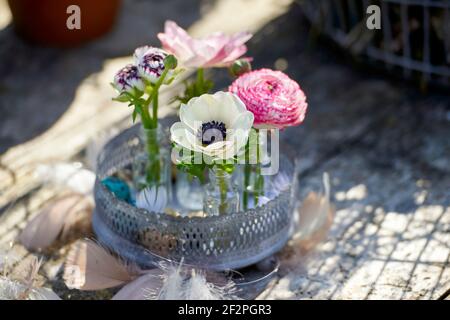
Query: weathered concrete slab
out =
(388, 241)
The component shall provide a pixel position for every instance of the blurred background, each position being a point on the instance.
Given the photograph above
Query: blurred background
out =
(378, 118)
(44, 64)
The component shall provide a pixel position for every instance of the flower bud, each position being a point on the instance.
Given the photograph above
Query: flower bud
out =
(128, 79)
(170, 62)
(150, 62)
(240, 66)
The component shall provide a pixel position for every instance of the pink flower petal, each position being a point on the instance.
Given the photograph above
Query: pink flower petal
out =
(214, 50)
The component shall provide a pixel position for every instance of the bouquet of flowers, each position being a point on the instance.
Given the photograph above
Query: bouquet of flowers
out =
(220, 138)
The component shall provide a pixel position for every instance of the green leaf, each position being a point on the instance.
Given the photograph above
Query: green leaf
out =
(134, 115)
(196, 170)
(140, 101)
(138, 108)
(227, 167)
(137, 93)
(123, 97)
(169, 80)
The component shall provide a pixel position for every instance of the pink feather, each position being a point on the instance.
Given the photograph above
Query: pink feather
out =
(315, 216)
(89, 266)
(55, 219)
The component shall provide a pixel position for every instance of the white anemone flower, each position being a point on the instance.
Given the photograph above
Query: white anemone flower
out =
(216, 125)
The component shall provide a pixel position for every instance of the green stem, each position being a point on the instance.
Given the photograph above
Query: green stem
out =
(155, 108)
(259, 181)
(145, 118)
(200, 81)
(247, 172)
(223, 190)
(258, 170)
(153, 175)
(153, 98)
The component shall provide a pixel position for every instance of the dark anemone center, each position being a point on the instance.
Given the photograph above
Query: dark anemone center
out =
(211, 132)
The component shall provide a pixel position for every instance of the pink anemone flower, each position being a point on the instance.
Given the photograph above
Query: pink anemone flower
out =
(215, 50)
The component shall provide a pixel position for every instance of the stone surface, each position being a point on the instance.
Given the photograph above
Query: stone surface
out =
(384, 144)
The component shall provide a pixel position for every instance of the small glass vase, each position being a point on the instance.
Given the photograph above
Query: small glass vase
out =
(152, 166)
(252, 186)
(189, 191)
(221, 195)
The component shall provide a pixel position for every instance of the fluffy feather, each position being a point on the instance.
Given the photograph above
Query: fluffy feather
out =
(198, 288)
(15, 290)
(71, 175)
(153, 199)
(281, 182)
(10, 289)
(181, 283)
(91, 267)
(44, 294)
(54, 220)
(33, 269)
(172, 284)
(24, 287)
(143, 287)
(315, 216)
(316, 213)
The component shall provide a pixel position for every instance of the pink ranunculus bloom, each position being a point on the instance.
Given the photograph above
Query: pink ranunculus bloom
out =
(275, 100)
(215, 50)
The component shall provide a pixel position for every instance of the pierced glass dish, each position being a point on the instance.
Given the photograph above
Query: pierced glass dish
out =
(224, 242)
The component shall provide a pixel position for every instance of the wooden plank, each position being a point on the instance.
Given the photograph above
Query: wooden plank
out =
(91, 112)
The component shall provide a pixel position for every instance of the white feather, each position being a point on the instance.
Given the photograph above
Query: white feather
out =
(180, 284)
(281, 182)
(147, 285)
(172, 284)
(44, 294)
(263, 200)
(198, 288)
(23, 287)
(10, 289)
(15, 290)
(71, 175)
(152, 199)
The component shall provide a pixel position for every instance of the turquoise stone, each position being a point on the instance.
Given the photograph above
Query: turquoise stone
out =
(118, 187)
